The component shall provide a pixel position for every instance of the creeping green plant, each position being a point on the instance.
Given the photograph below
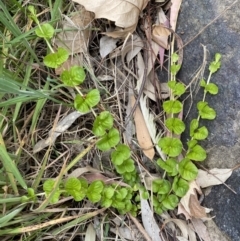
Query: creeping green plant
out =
(177, 170)
(184, 170)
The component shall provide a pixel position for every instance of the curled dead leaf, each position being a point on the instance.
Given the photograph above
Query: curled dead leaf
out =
(76, 32)
(190, 205)
(160, 35)
(124, 13)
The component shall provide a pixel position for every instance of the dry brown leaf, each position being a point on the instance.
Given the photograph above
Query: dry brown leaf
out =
(196, 210)
(160, 35)
(175, 7)
(191, 205)
(76, 40)
(152, 55)
(107, 45)
(143, 136)
(162, 20)
(147, 115)
(133, 46)
(201, 229)
(124, 13)
(213, 177)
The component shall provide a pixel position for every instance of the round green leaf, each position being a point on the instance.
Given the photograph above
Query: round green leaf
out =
(180, 186)
(187, 170)
(161, 186)
(46, 30)
(109, 192)
(197, 153)
(106, 202)
(172, 106)
(94, 191)
(102, 123)
(80, 104)
(84, 103)
(170, 146)
(193, 126)
(170, 166)
(109, 140)
(74, 76)
(175, 68)
(211, 88)
(192, 143)
(121, 193)
(126, 167)
(48, 185)
(171, 84)
(175, 125)
(121, 153)
(93, 97)
(174, 57)
(54, 60)
(202, 83)
(215, 65)
(170, 202)
(201, 133)
(73, 188)
(205, 111)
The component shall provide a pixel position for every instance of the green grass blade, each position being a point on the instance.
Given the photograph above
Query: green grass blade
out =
(11, 168)
(7, 20)
(7, 217)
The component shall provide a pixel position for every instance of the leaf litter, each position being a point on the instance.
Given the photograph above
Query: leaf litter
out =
(127, 48)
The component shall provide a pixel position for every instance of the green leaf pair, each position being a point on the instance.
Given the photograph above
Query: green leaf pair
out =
(94, 191)
(77, 188)
(102, 123)
(55, 60)
(209, 88)
(198, 133)
(74, 76)
(172, 106)
(177, 88)
(48, 187)
(109, 140)
(205, 111)
(216, 64)
(170, 166)
(175, 125)
(84, 103)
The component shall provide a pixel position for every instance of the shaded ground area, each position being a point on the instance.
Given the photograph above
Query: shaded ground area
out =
(223, 146)
(226, 209)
